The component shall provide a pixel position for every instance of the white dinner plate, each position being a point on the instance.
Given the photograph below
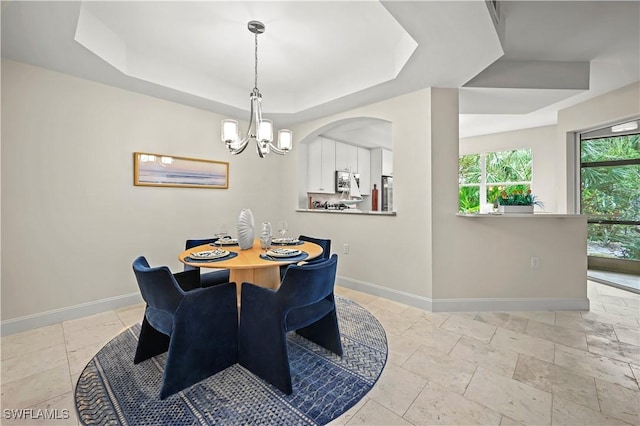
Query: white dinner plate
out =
(209, 254)
(287, 240)
(283, 252)
(227, 241)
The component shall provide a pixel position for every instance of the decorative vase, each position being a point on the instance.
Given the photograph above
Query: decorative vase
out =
(515, 209)
(245, 229)
(374, 198)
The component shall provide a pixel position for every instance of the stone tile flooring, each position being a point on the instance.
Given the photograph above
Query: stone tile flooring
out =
(495, 368)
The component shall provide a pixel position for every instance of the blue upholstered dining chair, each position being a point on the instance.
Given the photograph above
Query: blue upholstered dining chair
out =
(199, 327)
(207, 279)
(305, 303)
(326, 251)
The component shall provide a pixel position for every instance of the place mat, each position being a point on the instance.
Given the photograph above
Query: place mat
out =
(303, 255)
(231, 255)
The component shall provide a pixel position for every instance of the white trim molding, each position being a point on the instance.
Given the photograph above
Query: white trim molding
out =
(467, 305)
(28, 322)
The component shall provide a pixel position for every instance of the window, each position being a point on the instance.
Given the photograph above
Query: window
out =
(482, 177)
(610, 193)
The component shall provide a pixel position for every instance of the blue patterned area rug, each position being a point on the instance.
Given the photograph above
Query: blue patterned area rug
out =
(112, 390)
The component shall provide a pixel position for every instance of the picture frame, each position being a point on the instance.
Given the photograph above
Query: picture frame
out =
(179, 172)
(343, 182)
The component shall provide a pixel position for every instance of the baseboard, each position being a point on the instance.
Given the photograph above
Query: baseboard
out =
(386, 292)
(510, 304)
(467, 305)
(28, 322)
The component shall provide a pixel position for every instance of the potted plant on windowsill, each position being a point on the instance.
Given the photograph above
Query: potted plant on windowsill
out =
(517, 202)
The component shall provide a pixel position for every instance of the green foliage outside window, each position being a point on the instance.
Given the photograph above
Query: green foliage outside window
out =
(506, 169)
(606, 149)
(612, 192)
(469, 197)
(509, 166)
(469, 169)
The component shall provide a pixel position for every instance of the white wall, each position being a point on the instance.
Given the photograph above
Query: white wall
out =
(72, 220)
(447, 261)
(373, 238)
(541, 140)
(67, 190)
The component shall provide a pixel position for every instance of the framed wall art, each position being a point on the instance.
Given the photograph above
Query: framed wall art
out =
(169, 170)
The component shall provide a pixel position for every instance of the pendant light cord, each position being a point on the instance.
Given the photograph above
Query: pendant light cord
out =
(255, 84)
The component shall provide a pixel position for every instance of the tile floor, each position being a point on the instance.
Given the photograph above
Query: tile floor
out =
(498, 368)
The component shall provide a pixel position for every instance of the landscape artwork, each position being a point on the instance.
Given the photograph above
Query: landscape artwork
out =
(172, 171)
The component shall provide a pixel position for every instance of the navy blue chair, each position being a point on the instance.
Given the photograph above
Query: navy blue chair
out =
(305, 303)
(326, 251)
(198, 328)
(207, 279)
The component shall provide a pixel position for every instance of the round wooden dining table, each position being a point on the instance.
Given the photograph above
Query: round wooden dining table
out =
(248, 266)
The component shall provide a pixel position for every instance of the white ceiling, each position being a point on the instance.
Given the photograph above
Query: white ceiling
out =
(319, 58)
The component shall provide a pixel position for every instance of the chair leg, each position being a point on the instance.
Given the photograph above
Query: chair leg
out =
(324, 332)
(150, 343)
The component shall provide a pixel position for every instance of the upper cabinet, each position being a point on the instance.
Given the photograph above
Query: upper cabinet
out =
(381, 165)
(321, 166)
(354, 159)
(364, 170)
(387, 162)
(346, 157)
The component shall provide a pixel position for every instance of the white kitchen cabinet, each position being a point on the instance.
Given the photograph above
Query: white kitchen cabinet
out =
(387, 163)
(341, 156)
(346, 157)
(364, 170)
(321, 166)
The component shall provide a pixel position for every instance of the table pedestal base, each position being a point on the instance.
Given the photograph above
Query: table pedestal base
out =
(263, 277)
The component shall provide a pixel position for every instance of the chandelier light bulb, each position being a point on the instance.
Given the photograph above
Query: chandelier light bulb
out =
(285, 140)
(230, 131)
(265, 131)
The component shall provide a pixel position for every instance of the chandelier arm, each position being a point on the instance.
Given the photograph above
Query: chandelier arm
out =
(277, 150)
(243, 145)
(247, 138)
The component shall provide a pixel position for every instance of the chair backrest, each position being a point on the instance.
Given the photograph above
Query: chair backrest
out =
(194, 243)
(307, 284)
(159, 288)
(325, 244)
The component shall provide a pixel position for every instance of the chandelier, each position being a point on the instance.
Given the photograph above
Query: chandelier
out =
(259, 130)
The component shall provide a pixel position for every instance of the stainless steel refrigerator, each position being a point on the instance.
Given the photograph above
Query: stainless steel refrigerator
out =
(387, 193)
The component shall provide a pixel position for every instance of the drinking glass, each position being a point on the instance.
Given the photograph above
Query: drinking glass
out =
(283, 227)
(221, 232)
(265, 236)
